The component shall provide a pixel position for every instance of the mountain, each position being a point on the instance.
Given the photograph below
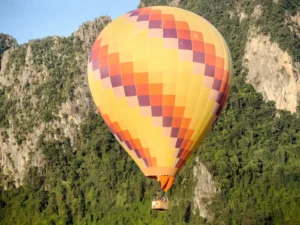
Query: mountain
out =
(6, 42)
(61, 165)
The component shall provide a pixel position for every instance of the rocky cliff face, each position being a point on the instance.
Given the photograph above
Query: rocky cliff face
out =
(6, 42)
(296, 19)
(45, 96)
(88, 31)
(272, 72)
(205, 189)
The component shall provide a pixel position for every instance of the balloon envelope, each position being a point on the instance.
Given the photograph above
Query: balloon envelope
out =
(160, 77)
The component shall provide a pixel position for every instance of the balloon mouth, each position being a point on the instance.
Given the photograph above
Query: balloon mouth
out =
(164, 175)
(166, 182)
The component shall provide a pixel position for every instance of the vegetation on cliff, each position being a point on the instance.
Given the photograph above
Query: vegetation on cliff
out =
(252, 152)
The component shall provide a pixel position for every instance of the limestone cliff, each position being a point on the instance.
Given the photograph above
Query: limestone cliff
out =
(296, 19)
(89, 31)
(272, 71)
(45, 95)
(205, 189)
(6, 42)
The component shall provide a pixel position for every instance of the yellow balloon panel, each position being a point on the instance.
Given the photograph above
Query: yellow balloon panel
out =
(160, 77)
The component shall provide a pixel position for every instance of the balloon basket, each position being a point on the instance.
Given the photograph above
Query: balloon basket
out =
(160, 204)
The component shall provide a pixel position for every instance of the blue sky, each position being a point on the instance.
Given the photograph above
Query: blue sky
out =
(31, 19)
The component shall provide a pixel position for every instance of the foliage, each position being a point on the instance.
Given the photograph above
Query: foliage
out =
(292, 6)
(95, 184)
(252, 152)
(153, 3)
(6, 42)
(4, 109)
(274, 21)
(55, 61)
(254, 159)
(17, 58)
(59, 58)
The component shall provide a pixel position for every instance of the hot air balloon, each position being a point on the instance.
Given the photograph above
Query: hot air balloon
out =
(160, 77)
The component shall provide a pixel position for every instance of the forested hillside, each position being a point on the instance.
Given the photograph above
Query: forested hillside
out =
(76, 173)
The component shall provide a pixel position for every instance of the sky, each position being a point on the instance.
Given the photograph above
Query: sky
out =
(31, 19)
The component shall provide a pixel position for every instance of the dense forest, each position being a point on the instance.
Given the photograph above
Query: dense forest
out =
(253, 152)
